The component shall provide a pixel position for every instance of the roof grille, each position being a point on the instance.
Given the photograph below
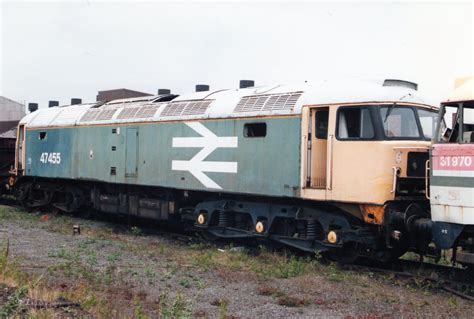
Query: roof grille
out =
(105, 115)
(186, 108)
(270, 102)
(97, 115)
(128, 112)
(147, 111)
(141, 112)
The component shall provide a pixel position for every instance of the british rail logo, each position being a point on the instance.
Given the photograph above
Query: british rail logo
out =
(197, 165)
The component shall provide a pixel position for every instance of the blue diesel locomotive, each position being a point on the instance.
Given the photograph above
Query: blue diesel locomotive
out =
(329, 167)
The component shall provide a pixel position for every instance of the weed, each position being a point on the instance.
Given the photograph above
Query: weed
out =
(150, 274)
(92, 260)
(13, 304)
(185, 283)
(335, 274)
(177, 308)
(205, 260)
(223, 309)
(136, 231)
(199, 283)
(138, 311)
(114, 257)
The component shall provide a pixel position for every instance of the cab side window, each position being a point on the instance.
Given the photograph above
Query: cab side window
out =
(354, 123)
(321, 124)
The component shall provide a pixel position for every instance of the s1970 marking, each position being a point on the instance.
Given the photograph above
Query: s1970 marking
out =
(50, 158)
(455, 161)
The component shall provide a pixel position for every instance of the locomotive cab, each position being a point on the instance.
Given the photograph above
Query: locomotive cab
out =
(370, 154)
(369, 160)
(452, 174)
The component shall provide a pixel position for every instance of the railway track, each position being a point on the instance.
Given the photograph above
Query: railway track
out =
(456, 280)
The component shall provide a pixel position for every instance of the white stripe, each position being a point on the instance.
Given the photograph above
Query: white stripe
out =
(447, 173)
(455, 196)
(452, 214)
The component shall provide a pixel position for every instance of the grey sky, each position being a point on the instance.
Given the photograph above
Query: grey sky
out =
(63, 50)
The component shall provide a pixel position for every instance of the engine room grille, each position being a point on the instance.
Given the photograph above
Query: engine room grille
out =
(139, 112)
(269, 102)
(97, 115)
(186, 108)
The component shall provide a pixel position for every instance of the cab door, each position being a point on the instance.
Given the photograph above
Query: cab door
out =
(316, 152)
(319, 143)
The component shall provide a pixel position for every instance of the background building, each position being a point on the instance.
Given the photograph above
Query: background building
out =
(10, 114)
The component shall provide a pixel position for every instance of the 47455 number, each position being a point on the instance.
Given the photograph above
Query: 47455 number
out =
(50, 158)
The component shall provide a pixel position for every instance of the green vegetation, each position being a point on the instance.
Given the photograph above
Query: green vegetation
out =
(175, 308)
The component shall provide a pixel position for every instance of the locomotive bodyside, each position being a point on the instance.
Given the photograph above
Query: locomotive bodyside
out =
(150, 155)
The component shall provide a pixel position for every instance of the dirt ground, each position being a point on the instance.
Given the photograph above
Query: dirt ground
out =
(114, 271)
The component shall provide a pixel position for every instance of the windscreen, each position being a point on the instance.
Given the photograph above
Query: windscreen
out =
(399, 122)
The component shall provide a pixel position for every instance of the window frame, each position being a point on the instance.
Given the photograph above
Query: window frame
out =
(245, 130)
(421, 135)
(436, 123)
(362, 106)
(42, 135)
(316, 122)
(461, 106)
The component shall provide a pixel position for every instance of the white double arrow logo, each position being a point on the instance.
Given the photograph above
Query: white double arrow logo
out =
(209, 143)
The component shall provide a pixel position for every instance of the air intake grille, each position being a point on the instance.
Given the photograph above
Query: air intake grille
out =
(139, 112)
(186, 108)
(270, 102)
(97, 115)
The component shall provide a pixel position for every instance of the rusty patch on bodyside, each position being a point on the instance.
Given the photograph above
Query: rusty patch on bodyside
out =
(372, 214)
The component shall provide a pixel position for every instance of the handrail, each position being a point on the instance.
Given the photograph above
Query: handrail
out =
(394, 180)
(427, 178)
(329, 161)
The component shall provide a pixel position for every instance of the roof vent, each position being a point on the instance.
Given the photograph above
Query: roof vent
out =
(202, 87)
(401, 83)
(164, 91)
(75, 101)
(53, 103)
(32, 107)
(246, 84)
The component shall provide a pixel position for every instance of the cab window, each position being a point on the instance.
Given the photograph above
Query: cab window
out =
(354, 123)
(321, 124)
(399, 122)
(428, 122)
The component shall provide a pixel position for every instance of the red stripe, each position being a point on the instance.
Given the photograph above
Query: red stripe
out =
(452, 149)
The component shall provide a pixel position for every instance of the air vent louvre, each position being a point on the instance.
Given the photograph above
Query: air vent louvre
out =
(147, 111)
(105, 115)
(97, 115)
(127, 113)
(186, 108)
(270, 102)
